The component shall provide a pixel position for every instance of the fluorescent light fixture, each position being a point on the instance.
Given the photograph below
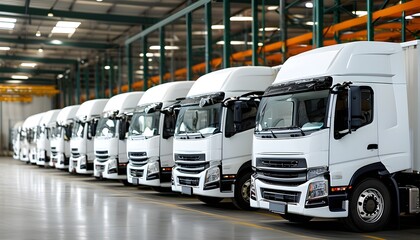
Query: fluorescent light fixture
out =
(107, 67)
(67, 24)
(9, 20)
(309, 23)
(99, 0)
(409, 17)
(272, 8)
(416, 15)
(309, 5)
(56, 42)
(166, 48)
(150, 54)
(20, 77)
(38, 33)
(40, 50)
(50, 14)
(241, 19)
(63, 30)
(139, 72)
(218, 27)
(7, 25)
(32, 65)
(360, 13)
(14, 81)
(269, 29)
(199, 33)
(60, 76)
(237, 43)
(4, 48)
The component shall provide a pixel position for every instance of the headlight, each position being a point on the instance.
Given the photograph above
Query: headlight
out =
(83, 161)
(318, 189)
(212, 175)
(315, 172)
(112, 164)
(153, 168)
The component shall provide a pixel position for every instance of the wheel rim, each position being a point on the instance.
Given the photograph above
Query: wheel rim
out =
(245, 190)
(370, 205)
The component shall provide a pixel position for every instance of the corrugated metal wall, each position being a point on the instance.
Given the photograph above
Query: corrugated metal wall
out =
(13, 112)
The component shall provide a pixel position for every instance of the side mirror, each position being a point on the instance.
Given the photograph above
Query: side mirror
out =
(94, 124)
(122, 129)
(68, 132)
(355, 108)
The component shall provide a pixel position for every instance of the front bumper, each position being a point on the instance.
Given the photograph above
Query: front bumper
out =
(138, 175)
(104, 170)
(194, 184)
(297, 207)
(81, 165)
(42, 159)
(61, 161)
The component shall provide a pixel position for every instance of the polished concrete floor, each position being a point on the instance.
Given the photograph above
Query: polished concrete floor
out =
(38, 203)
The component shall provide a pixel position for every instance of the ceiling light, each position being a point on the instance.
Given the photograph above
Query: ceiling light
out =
(7, 25)
(272, 8)
(237, 43)
(63, 30)
(416, 15)
(241, 19)
(40, 50)
(50, 13)
(360, 13)
(309, 5)
(218, 27)
(4, 48)
(38, 33)
(269, 29)
(28, 65)
(9, 20)
(99, 0)
(59, 76)
(14, 81)
(66, 24)
(56, 42)
(139, 72)
(150, 54)
(309, 23)
(409, 17)
(166, 48)
(107, 67)
(199, 33)
(20, 77)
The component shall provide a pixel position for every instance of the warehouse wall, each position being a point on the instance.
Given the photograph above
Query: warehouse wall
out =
(13, 112)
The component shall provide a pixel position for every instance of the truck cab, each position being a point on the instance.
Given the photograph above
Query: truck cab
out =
(60, 143)
(16, 139)
(84, 129)
(333, 136)
(150, 136)
(28, 138)
(111, 134)
(44, 132)
(213, 134)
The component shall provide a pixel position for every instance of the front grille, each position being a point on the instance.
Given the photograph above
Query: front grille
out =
(102, 156)
(191, 163)
(75, 153)
(281, 170)
(53, 148)
(280, 196)
(138, 158)
(136, 172)
(100, 168)
(189, 181)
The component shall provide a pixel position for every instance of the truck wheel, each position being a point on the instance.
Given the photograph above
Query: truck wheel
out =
(296, 218)
(369, 206)
(209, 200)
(242, 192)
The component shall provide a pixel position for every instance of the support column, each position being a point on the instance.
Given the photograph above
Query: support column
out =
(208, 39)
(263, 31)
(86, 78)
(255, 32)
(145, 64)
(77, 100)
(162, 54)
(97, 79)
(188, 18)
(119, 72)
(103, 78)
(226, 36)
(403, 24)
(319, 23)
(110, 77)
(370, 30)
(283, 29)
(129, 62)
(337, 19)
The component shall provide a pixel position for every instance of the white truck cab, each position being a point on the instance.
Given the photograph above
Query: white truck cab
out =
(334, 133)
(17, 138)
(60, 142)
(28, 135)
(45, 128)
(213, 134)
(111, 134)
(84, 129)
(150, 136)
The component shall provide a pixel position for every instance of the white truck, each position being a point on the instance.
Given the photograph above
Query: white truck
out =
(45, 128)
(60, 141)
(337, 136)
(17, 138)
(81, 143)
(213, 134)
(28, 136)
(150, 136)
(111, 136)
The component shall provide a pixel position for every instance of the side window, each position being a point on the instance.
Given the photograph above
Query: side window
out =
(341, 113)
(367, 105)
(244, 120)
(169, 122)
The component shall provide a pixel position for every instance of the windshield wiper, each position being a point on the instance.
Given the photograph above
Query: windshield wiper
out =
(299, 128)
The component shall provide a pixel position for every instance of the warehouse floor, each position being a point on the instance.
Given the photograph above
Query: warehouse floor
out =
(39, 203)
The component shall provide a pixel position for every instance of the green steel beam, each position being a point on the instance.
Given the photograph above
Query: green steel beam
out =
(162, 54)
(226, 36)
(34, 41)
(97, 77)
(263, 10)
(188, 18)
(283, 29)
(28, 70)
(337, 18)
(119, 73)
(111, 77)
(290, 5)
(208, 38)
(254, 32)
(77, 83)
(103, 77)
(78, 15)
(370, 30)
(403, 25)
(319, 22)
(69, 91)
(166, 21)
(86, 78)
(270, 2)
(145, 64)
(38, 59)
(129, 61)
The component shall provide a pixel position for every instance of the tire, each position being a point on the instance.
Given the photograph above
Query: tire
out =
(369, 207)
(242, 192)
(209, 200)
(296, 218)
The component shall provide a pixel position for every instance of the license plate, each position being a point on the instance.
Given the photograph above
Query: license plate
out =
(186, 190)
(278, 207)
(135, 181)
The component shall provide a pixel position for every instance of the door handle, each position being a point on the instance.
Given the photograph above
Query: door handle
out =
(372, 146)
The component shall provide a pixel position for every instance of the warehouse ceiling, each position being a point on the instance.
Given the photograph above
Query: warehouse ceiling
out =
(56, 34)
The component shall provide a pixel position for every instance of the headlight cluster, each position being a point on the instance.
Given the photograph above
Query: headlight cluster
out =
(212, 175)
(315, 172)
(318, 189)
(112, 164)
(153, 168)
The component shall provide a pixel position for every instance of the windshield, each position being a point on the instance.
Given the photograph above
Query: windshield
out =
(78, 129)
(305, 110)
(196, 119)
(107, 127)
(146, 124)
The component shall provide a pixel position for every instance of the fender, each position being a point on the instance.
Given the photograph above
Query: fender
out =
(377, 169)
